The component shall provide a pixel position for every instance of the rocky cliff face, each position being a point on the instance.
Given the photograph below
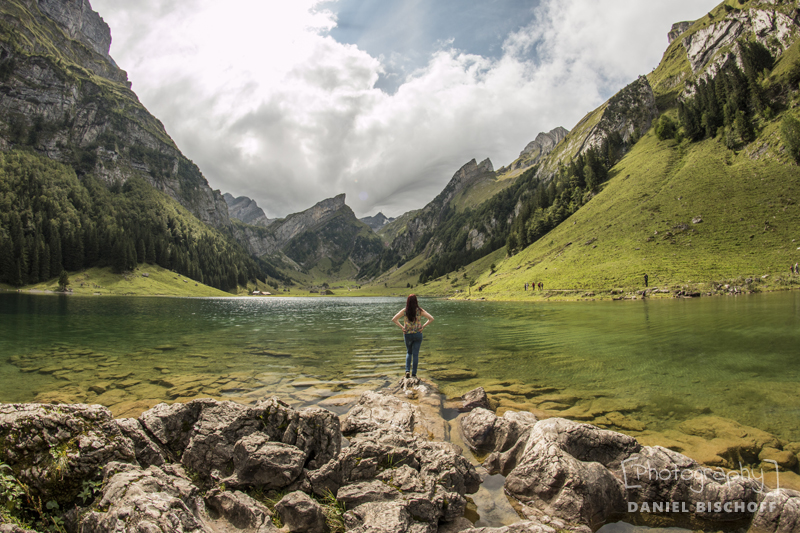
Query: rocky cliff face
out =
(432, 214)
(630, 110)
(539, 148)
(246, 210)
(678, 29)
(79, 21)
(771, 28)
(62, 96)
(329, 230)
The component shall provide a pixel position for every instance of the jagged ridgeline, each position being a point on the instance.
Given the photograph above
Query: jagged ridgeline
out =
(324, 242)
(52, 221)
(724, 103)
(553, 177)
(89, 176)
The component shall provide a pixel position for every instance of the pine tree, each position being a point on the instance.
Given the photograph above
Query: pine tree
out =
(150, 254)
(44, 269)
(141, 254)
(790, 133)
(7, 263)
(56, 264)
(33, 273)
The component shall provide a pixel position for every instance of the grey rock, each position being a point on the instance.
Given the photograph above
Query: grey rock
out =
(630, 110)
(204, 433)
(247, 210)
(693, 483)
(147, 451)
(504, 437)
(387, 463)
(376, 410)
(475, 398)
(300, 513)
(564, 471)
(146, 500)
(53, 448)
(678, 29)
(778, 512)
(385, 517)
(583, 475)
(769, 27)
(540, 147)
(368, 491)
(257, 462)
(80, 22)
(239, 510)
(531, 526)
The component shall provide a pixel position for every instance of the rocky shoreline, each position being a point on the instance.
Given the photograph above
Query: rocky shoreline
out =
(220, 466)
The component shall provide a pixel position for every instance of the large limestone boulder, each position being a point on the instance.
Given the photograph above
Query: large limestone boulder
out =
(204, 434)
(504, 437)
(146, 500)
(238, 510)
(585, 475)
(390, 477)
(53, 448)
(564, 471)
(260, 463)
(301, 514)
(385, 517)
(778, 512)
(380, 411)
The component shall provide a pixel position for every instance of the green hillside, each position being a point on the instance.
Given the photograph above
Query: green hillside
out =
(709, 204)
(642, 223)
(52, 221)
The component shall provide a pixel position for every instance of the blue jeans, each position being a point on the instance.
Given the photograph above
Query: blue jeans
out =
(413, 342)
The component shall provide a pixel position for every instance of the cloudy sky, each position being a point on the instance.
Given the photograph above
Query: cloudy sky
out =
(290, 102)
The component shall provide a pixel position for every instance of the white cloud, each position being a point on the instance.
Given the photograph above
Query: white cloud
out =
(271, 107)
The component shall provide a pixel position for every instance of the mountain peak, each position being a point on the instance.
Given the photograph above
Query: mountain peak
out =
(544, 143)
(246, 210)
(376, 222)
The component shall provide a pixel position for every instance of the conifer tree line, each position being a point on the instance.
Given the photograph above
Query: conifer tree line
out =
(51, 221)
(550, 203)
(729, 104)
(523, 212)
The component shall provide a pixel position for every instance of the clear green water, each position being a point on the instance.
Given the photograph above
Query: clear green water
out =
(662, 361)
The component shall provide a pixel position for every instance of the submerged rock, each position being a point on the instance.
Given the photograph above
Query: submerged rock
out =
(474, 399)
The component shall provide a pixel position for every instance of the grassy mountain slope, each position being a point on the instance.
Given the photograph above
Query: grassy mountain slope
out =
(695, 216)
(67, 100)
(642, 223)
(52, 221)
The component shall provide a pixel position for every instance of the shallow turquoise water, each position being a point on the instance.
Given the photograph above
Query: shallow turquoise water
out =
(670, 359)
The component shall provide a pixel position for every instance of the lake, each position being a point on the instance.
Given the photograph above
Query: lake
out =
(654, 369)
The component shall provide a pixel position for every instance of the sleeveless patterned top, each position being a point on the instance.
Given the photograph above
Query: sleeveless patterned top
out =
(413, 327)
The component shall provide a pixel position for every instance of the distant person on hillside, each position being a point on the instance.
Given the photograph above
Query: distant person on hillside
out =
(412, 331)
(541, 286)
(645, 280)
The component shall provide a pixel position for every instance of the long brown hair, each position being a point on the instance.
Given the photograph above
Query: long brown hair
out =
(411, 307)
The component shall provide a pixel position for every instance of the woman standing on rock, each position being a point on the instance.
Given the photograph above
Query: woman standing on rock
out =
(412, 331)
